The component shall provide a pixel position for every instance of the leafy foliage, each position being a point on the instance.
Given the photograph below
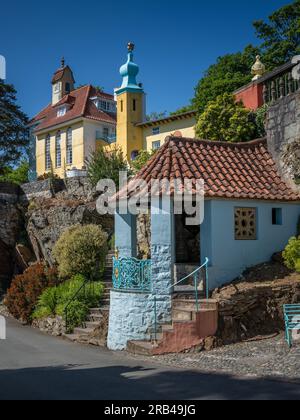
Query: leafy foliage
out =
(156, 116)
(260, 120)
(14, 136)
(280, 35)
(17, 176)
(229, 73)
(54, 300)
(291, 254)
(280, 38)
(106, 165)
(141, 160)
(81, 250)
(226, 120)
(26, 288)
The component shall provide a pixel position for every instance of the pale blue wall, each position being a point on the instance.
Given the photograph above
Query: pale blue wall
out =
(229, 257)
(125, 235)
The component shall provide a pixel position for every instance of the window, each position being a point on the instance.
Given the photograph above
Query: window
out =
(245, 224)
(122, 106)
(155, 145)
(134, 105)
(61, 111)
(105, 132)
(277, 216)
(56, 87)
(68, 87)
(134, 154)
(69, 146)
(58, 150)
(48, 152)
(155, 131)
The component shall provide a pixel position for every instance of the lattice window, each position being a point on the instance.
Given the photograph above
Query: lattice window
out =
(245, 224)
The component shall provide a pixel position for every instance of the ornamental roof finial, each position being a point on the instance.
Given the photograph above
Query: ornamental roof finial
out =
(63, 62)
(130, 46)
(258, 69)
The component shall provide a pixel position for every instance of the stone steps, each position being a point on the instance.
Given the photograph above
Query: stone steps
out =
(189, 329)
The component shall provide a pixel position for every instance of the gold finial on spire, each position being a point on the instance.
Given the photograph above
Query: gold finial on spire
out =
(63, 62)
(130, 46)
(258, 69)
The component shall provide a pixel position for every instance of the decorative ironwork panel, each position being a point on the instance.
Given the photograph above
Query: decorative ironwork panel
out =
(245, 224)
(132, 274)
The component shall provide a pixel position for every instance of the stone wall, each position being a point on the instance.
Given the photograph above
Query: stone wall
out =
(247, 310)
(71, 204)
(132, 317)
(10, 227)
(283, 134)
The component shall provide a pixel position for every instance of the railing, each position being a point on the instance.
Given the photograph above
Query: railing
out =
(132, 274)
(279, 86)
(66, 310)
(107, 139)
(195, 275)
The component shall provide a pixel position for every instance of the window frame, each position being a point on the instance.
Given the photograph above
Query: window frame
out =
(48, 152)
(155, 131)
(58, 149)
(69, 146)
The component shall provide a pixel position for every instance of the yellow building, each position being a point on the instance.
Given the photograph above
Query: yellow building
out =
(134, 132)
(69, 129)
(79, 120)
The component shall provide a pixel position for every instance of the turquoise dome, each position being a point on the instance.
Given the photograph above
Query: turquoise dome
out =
(129, 72)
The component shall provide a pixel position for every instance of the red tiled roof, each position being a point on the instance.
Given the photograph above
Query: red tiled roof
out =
(229, 170)
(59, 74)
(80, 106)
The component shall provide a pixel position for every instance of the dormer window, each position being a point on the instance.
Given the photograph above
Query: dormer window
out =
(61, 111)
(103, 105)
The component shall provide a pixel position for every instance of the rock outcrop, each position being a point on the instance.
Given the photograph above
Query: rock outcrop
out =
(250, 309)
(48, 218)
(10, 227)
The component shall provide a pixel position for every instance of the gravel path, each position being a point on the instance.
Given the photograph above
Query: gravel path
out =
(267, 358)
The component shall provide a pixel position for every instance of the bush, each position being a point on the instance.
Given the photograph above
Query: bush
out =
(26, 288)
(81, 250)
(106, 165)
(224, 119)
(291, 254)
(54, 300)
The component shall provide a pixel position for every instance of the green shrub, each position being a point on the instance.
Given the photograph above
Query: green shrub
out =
(291, 254)
(81, 250)
(54, 300)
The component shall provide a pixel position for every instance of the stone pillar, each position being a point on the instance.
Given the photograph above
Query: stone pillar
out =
(162, 245)
(126, 233)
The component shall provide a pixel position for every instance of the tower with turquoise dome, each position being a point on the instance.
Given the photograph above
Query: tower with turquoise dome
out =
(130, 108)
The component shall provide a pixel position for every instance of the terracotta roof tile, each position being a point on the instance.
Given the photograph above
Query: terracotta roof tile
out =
(230, 170)
(80, 105)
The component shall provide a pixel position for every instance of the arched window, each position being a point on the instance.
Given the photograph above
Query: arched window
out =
(69, 147)
(68, 87)
(58, 150)
(48, 152)
(134, 154)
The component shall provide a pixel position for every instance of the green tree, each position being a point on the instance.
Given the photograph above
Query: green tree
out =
(225, 120)
(106, 165)
(17, 176)
(14, 136)
(280, 35)
(81, 250)
(229, 73)
(156, 116)
(141, 160)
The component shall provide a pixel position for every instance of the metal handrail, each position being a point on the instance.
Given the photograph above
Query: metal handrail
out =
(72, 300)
(194, 274)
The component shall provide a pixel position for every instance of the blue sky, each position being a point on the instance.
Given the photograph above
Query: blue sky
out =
(175, 43)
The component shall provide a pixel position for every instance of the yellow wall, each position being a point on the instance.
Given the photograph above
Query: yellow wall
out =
(78, 150)
(130, 137)
(185, 126)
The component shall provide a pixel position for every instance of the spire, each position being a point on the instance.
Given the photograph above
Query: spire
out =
(129, 72)
(63, 62)
(258, 69)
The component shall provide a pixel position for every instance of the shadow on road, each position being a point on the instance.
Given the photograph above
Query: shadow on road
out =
(138, 383)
